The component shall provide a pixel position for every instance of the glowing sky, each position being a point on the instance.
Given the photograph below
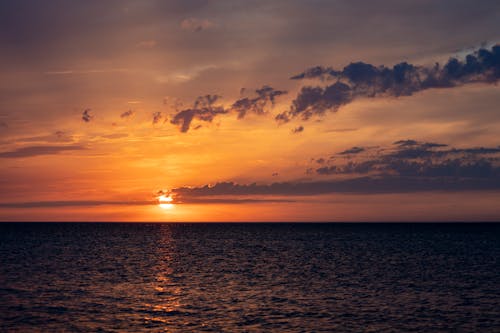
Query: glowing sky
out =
(250, 110)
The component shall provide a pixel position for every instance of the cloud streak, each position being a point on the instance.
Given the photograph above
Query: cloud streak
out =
(32, 151)
(196, 25)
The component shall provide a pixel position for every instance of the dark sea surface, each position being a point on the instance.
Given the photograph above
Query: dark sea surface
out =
(57, 277)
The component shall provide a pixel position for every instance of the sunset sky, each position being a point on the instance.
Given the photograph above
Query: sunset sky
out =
(250, 110)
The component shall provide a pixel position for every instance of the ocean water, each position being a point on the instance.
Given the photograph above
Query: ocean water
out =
(57, 277)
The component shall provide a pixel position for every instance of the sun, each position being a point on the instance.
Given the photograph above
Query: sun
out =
(165, 201)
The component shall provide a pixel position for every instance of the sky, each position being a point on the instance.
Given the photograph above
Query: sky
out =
(279, 110)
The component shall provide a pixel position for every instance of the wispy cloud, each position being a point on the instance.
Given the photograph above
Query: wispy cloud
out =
(85, 71)
(147, 44)
(196, 25)
(32, 151)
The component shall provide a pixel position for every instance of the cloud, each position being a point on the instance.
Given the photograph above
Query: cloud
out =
(93, 203)
(73, 203)
(367, 185)
(206, 108)
(86, 71)
(157, 117)
(404, 166)
(353, 150)
(127, 114)
(147, 44)
(257, 105)
(87, 116)
(196, 25)
(410, 158)
(298, 129)
(114, 136)
(360, 79)
(31, 151)
(58, 136)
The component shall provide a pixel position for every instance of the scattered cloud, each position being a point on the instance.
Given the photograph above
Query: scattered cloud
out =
(87, 116)
(265, 95)
(206, 108)
(298, 129)
(157, 117)
(127, 114)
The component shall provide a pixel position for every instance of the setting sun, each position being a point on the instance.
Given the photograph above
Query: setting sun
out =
(165, 201)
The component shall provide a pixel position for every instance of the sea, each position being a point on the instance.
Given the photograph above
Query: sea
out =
(252, 277)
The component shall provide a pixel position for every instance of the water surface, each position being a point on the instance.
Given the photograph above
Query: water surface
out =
(249, 277)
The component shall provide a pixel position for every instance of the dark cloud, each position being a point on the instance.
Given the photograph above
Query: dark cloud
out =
(368, 185)
(365, 80)
(38, 150)
(87, 116)
(127, 114)
(405, 166)
(298, 129)
(157, 117)
(3, 124)
(265, 95)
(353, 150)
(410, 158)
(315, 73)
(206, 108)
(317, 100)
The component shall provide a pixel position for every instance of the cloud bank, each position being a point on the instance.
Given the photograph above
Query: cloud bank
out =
(405, 166)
